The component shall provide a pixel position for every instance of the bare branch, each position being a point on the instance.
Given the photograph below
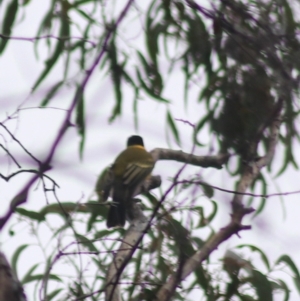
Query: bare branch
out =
(129, 244)
(49, 36)
(180, 156)
(22, 146)
(7, 178)
(255, 195)
(10, 155)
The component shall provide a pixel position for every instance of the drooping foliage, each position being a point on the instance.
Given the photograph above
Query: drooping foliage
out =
(247, 55)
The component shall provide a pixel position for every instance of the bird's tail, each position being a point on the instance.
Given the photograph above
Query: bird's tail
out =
(117, 211)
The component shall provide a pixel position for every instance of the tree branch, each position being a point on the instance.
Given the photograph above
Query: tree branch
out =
(48, 36)
(249, 174)
(10, 155)
(10, 287)
(22, 146)
(180, 156)
(128, 246)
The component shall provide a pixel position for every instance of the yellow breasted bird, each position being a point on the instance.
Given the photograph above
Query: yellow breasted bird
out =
(129, 171)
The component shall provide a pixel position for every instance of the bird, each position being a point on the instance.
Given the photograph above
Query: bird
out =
(129, 171)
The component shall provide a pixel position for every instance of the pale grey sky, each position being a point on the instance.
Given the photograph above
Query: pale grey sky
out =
(36, 129)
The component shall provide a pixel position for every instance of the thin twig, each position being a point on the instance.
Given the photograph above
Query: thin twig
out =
(10, 155)
(22, 146)
(266, 196)
(49, 36)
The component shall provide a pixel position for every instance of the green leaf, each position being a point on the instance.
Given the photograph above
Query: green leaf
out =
(253, 248)
(46, 23)
(64, 208)
(31, 214)
(214, 212)
(148, 90)
(153, 77)
(210, 89)
(147, 67)
(264, 191)
(199, 43)
(150, 20)
(173, 127)
(287, 260)
(8, 22)
(102, 233)
(80, 2)
(127, 78)
(76, 290)
(181, 237)
(204, 221)
(152, 43)
(86, 242)
(152, 35)
(285, 288)
(85, 15)
(201, 277)
(289, 157)
(289, 19)
(154, 83)
(246, 298)
(60, 230)
(29, 273)
(51, 93)
(50, 62)
(16, 256)
(207, 189)
(96, 208)
(261, 206)
(262, 286)
(116, 72)
(204, 121)
(80, 121)
(91, 222)
(53, 294)
(199, 242)
(24, 2)
(41, 276)
(186, 71)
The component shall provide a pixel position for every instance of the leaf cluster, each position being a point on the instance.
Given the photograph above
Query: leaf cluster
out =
(240, 59)
(178, 233)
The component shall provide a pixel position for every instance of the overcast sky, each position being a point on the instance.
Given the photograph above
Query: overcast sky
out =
(273, 231)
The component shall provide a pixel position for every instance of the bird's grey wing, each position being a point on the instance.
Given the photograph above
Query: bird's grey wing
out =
(136, 173)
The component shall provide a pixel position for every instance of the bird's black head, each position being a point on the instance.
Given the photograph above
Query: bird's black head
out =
(135, 140)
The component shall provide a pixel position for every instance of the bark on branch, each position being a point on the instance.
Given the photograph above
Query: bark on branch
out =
(180, 156)
(10, 287)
